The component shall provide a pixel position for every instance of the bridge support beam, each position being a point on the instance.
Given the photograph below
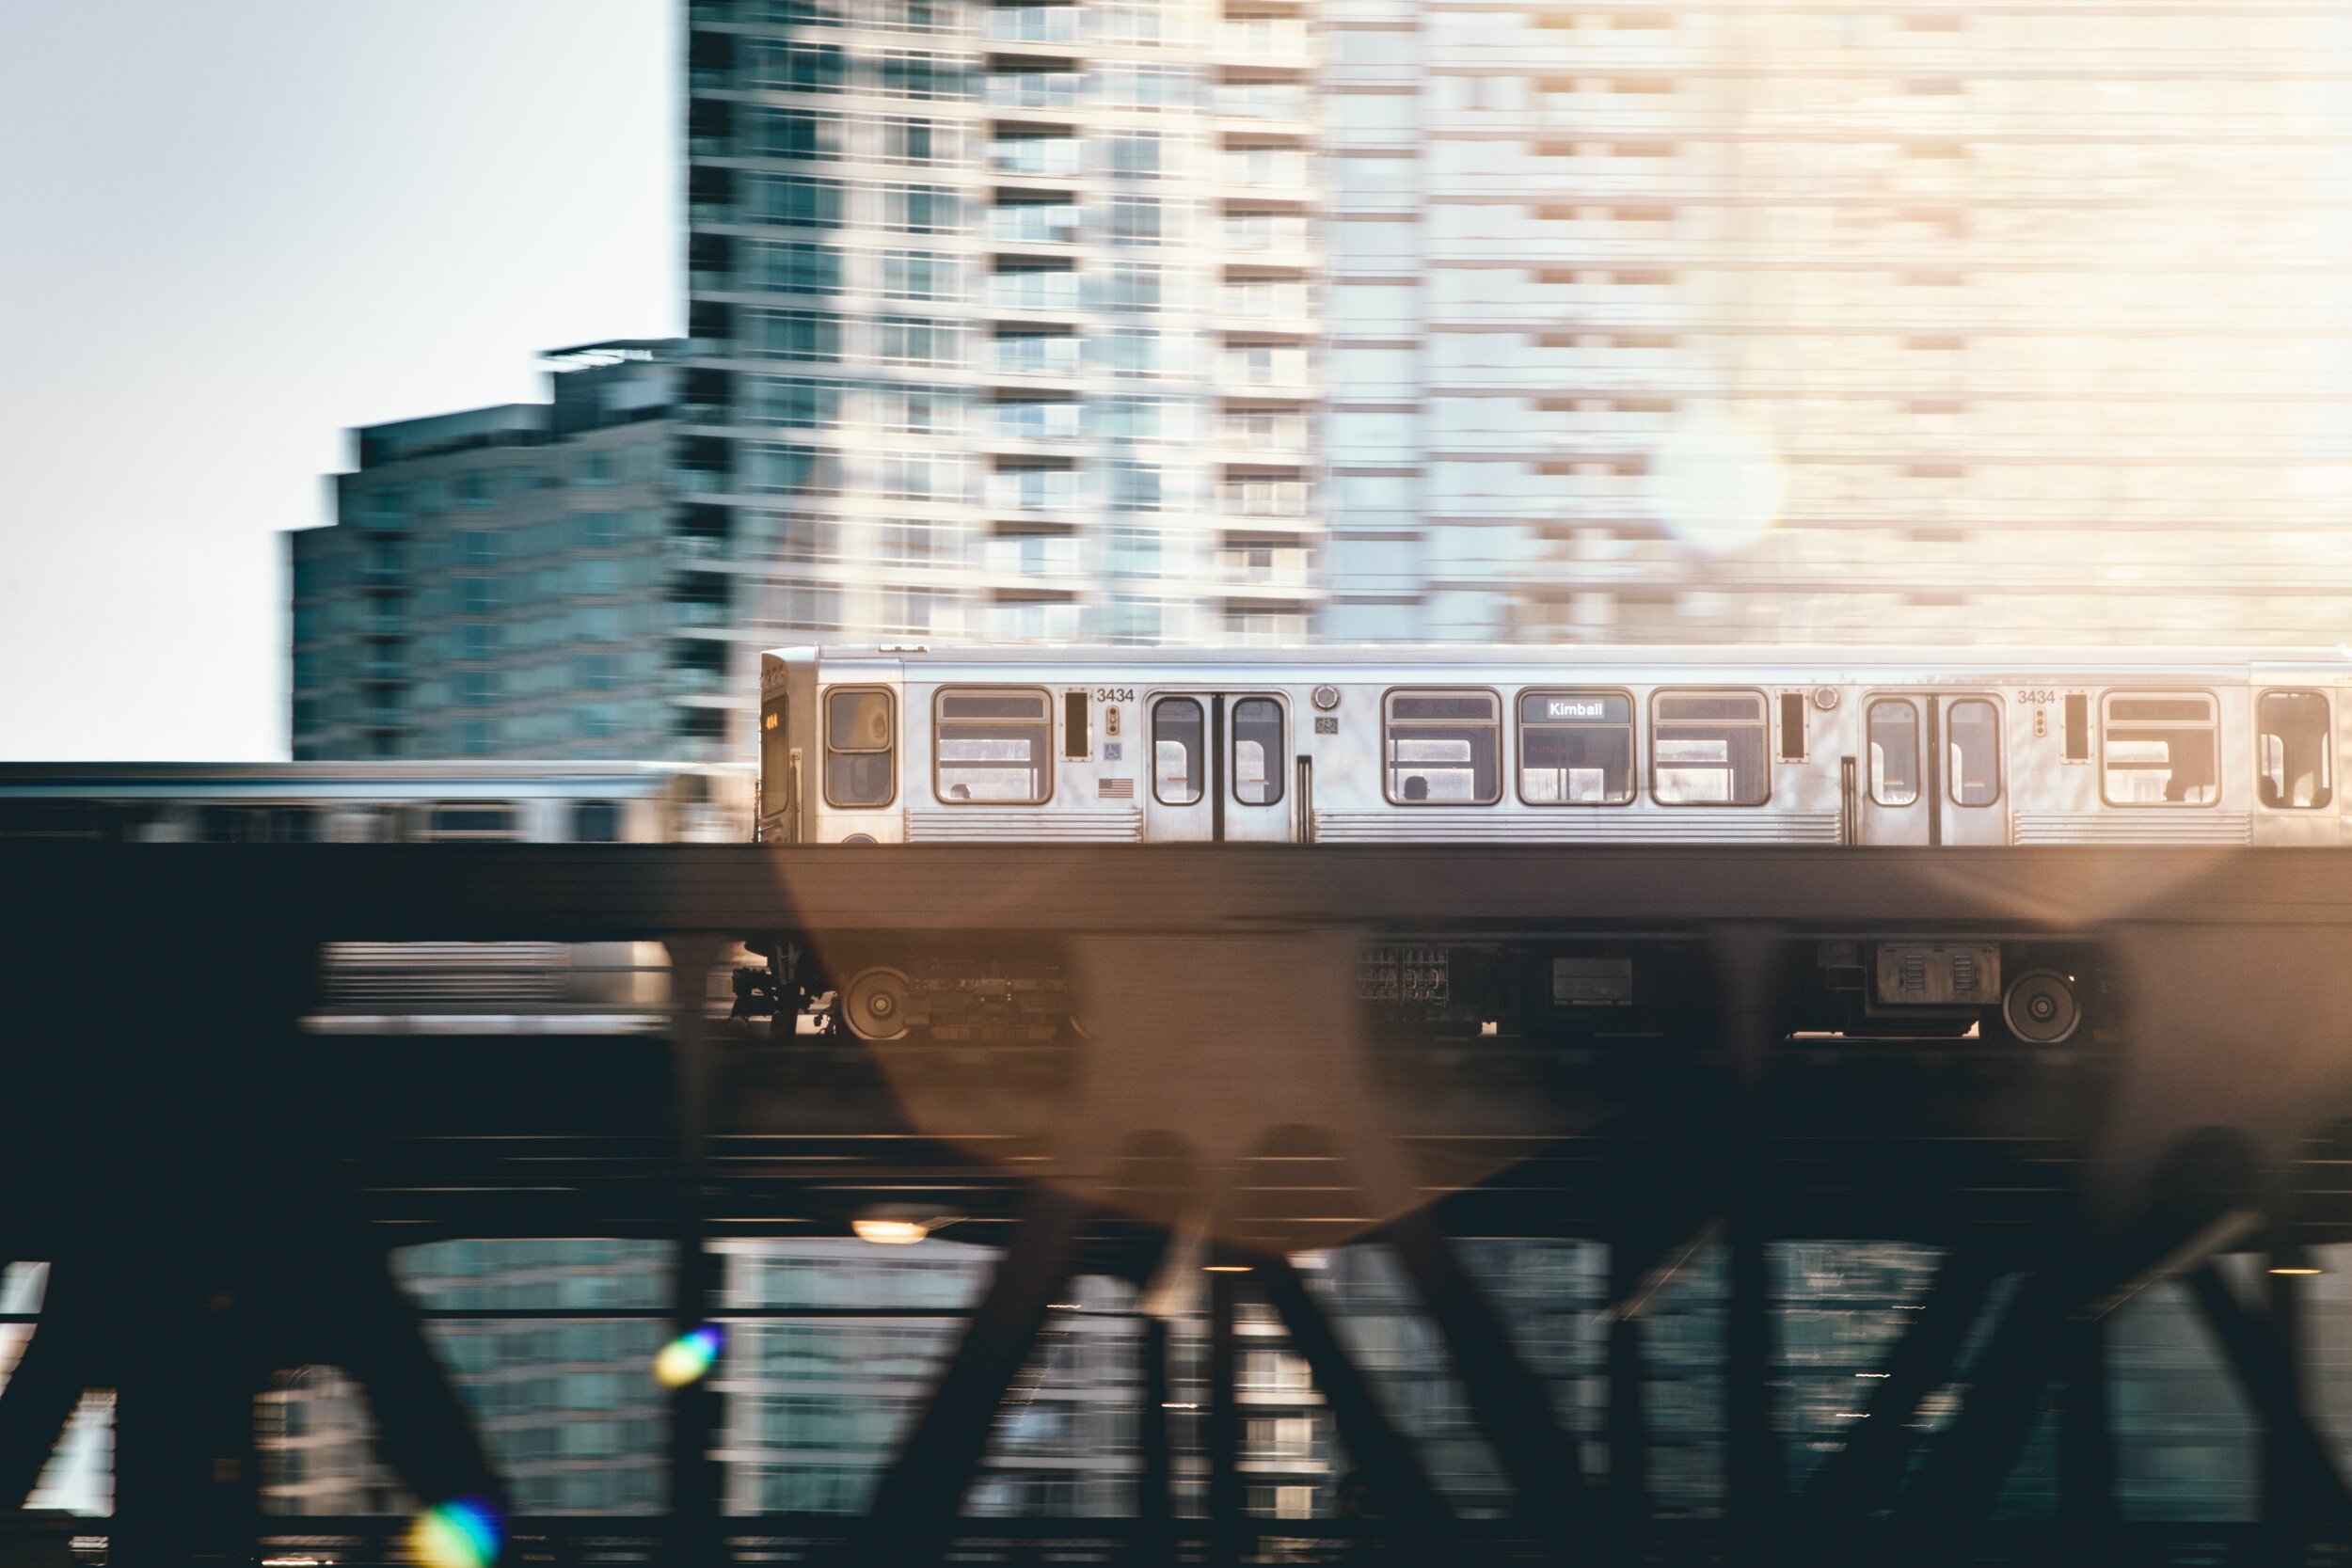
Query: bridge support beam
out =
(2267, 1375)
(1861, 1476)
(696, 1477)
(1225, 1496)
(917, 1500)
(2086, 1438)
(1507, 1399)
(1391, 1471)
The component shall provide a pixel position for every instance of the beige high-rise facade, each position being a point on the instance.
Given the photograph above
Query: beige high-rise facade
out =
(1893, 321)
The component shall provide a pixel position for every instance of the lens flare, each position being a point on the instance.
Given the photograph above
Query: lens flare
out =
(687, 1358)
(463, 1532)
(1716, 481)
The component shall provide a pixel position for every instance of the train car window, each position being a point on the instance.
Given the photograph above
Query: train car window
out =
(2161, 748)
(1258, 751)
(1576, 747)
(1179, 747)
(861, 764)
(2077, 727)
(473, 819)
(1077, 744)
(1972, 732)
(596, 822)
(1445, 748)
(1894, 737)
(2292, 748)
(994, 747)
(1708, 749)
(258, 825)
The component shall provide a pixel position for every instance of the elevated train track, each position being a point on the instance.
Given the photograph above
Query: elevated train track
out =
(1219, 1079)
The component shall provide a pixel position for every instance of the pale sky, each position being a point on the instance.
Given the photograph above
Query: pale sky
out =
(230, 229)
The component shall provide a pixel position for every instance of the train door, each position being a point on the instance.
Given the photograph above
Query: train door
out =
(1220, 766)
(1933, 768)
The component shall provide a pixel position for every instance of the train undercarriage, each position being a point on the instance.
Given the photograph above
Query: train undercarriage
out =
(1573, 990)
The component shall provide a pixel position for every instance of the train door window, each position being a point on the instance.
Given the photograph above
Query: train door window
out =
(2160, 749)
(1178, 748)
(596, 822)
(1576, 747)
(994, 747)
(1894, 737)
(2292, 748)
(473, 819)
(1076, 743)
(861, 763)
(1972, 733)
(1710, 749)
(1445, 748)
(775, 741)
(1257, 751)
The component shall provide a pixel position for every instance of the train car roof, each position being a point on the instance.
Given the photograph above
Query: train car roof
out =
(1813, 662)
(350, 781)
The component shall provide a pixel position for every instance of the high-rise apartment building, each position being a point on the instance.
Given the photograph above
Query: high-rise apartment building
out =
(1003, 320)
(1913, 321)
(515, 581)
(1652, 321)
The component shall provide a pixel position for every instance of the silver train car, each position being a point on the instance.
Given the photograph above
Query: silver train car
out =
(376, 803)
(1341, 746)
(1587, 745)
(424, 987)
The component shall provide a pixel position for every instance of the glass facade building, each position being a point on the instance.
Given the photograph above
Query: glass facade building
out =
(499, 583)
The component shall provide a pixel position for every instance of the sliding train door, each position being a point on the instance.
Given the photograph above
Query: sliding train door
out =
(1218, 763)
(1933, 768)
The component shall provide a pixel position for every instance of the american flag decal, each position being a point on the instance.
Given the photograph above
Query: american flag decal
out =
(1115, 789)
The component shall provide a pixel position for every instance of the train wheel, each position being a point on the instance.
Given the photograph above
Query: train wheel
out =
(2041, 1008)
(874, 1005)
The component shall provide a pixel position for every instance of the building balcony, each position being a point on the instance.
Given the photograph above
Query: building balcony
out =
(1056, 356)
(1032, 23)
(1269, 566)
(1033, 90)
(1041, 157)
(1032, 223)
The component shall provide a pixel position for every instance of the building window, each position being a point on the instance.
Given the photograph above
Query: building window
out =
(923, 73)
(800, 404)
(1444, 748)
(803, 335)
(2291, 738)
(2161, 748)
(915, 140)
(790, 471)
(1893, 726)
(861, 770)
(476, 548)
(795, 267)
(478, 640)
(920, 209)
(798, 67)
(1710, 749)
(796, 134)
(915, 340)
(1576, 747)
(993, 747)
(478, 595)
(1179, 745)
(801, 200)
(920, 275)
(477, 688)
